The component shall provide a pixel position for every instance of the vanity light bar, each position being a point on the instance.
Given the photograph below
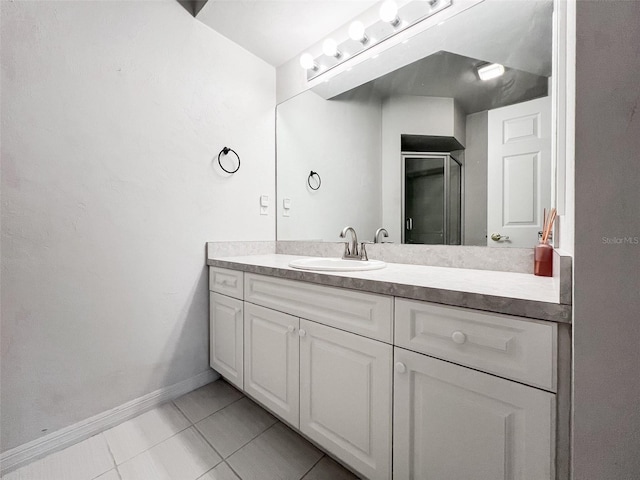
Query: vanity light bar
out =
(361, 38)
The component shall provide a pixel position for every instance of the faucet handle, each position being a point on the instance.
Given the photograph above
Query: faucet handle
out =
(346, 250)
(363, 251)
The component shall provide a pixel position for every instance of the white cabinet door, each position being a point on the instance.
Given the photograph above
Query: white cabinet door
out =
(225, 337)
(272, 360)
(345, 397)
(451, 422)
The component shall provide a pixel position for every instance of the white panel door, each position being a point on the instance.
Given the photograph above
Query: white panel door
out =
(345, 397)
(519, 172)
(451, 422)
(225, 337)
(272, 360)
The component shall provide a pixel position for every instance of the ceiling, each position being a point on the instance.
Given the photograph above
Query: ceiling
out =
(278, 30)
(445, 74)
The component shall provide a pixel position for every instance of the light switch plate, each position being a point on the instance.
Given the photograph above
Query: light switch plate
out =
(264, 204)
(286, 205)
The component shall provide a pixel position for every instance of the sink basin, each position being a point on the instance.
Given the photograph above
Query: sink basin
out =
(336, 264)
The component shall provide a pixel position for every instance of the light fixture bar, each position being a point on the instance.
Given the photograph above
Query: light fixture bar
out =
(335, 54)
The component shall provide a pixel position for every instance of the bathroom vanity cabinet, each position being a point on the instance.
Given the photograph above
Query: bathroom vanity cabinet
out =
(392, 387)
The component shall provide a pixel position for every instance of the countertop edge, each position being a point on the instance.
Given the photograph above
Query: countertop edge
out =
(531, 309)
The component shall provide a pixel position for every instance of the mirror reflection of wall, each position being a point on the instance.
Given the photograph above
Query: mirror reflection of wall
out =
(436, 105)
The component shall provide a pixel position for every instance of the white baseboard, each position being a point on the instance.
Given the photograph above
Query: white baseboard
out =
(65, 437)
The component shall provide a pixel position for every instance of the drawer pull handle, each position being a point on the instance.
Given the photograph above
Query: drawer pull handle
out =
(458, 337)
(302, 332)
(226, 283)
(290, 328)
(401, 367)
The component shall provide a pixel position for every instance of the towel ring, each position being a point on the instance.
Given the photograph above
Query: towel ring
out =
(314, 174)
(225, 151)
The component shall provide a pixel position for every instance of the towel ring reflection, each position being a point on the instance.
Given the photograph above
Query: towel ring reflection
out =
(225, 151)
(314, 174)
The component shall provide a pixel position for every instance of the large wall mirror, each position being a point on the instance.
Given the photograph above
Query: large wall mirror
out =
(430, 151)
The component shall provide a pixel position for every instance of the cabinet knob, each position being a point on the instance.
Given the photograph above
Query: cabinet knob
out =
(401, 367)
(458, 337)
(291, 328)
(236, 311)
(302, 332)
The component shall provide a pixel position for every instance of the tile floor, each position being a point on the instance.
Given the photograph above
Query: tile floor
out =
(213, 433)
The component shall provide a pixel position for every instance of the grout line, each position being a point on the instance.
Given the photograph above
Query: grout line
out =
(210, 470)
(154, 445)
(219, 410)
(226, 406)
(231, 468)
(258, 435)
(312, 466)
(212, 447)
(115, 465)
(180, 410)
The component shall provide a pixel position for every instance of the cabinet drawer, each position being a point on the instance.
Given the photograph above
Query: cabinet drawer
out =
(499, 344)
(366, 314)
(225, 281)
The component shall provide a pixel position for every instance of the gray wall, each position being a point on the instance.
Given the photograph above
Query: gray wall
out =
(112, 115)
(339, 139)
(607, 275)
(475, 180)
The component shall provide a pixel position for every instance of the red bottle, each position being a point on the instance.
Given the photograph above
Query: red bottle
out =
(543, 260)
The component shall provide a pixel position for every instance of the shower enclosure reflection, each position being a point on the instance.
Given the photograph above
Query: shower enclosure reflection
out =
(432, 199)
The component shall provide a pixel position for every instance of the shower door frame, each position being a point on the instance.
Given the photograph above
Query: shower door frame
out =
(447, 155)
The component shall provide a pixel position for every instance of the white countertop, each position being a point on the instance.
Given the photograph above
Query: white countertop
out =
(505, 292)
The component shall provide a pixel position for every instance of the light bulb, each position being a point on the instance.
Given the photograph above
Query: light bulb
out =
(389, 12)
(492, 70)
(330, 48)
(307, 62)
(357, 32)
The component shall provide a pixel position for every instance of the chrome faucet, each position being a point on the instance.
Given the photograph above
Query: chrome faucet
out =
(380, 232)
(350, 247)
